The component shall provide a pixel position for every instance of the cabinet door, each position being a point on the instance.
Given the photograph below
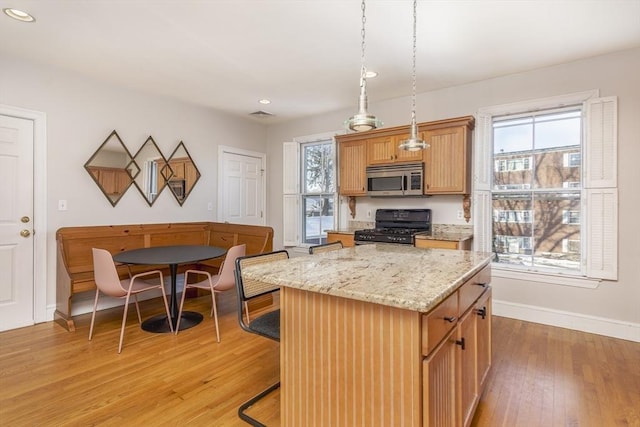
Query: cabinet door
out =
(483, 321)
(447, 161)
(439, 385)
(353, 168)
(177, 166)
(438, 244)
(467, 350)
(381, 150)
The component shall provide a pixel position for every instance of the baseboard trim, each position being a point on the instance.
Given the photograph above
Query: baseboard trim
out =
(564, 319)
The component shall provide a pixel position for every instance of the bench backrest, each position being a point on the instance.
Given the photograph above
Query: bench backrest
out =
(75, 243)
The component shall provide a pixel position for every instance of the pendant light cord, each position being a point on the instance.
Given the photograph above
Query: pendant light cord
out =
(363, 71)
(413, 97)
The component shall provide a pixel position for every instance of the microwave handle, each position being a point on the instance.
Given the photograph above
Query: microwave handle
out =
(404, 183)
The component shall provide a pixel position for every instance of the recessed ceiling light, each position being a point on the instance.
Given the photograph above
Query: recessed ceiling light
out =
(370, 74)
(18, 15)
(264, 101)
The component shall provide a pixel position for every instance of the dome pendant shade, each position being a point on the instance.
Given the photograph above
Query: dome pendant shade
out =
(413, 143)
(362, 121)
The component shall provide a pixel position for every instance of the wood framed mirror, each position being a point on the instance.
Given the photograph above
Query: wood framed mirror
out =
(112, 168)
(152, 178)
(183, 173)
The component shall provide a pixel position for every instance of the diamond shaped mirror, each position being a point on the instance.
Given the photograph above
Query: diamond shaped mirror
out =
(151, 180)
(112, 168)
(182, 173)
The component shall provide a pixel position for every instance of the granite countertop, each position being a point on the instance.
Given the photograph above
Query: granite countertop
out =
(399, 276)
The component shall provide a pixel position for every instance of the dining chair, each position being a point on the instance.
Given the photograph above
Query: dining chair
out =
(325, 247)
(108, 282)
(223, 281)
(267, 324)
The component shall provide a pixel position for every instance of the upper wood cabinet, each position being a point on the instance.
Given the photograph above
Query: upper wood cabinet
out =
(352, 168)
(448, 159)
(384, 150)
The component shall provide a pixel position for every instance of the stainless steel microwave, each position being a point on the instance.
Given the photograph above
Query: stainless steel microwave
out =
(395, 180)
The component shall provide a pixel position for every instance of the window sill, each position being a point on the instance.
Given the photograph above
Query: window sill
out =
(549, 278)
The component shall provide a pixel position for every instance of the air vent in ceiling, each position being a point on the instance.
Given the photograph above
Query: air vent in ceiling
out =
(261, 113)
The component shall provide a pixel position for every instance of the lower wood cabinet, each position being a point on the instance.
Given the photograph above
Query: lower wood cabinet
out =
(455, 372)
(443, 244)
(352, 362)
(346, 239)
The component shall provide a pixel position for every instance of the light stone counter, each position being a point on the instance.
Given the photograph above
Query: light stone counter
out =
(394, 275)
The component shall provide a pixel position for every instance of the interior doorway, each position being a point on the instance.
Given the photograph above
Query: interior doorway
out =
(241, 188)
(23, 228)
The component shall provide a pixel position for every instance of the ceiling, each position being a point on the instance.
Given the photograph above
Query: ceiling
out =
(304, 55)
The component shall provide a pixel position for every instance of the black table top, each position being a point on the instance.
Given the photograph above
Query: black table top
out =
(180, 254)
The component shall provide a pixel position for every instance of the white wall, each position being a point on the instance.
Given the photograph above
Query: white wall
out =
(82, 112)
(613, 303)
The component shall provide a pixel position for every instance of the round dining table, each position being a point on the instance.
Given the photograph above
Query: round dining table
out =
(173, 256)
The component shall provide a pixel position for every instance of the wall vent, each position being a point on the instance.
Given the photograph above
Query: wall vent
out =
(261, 113)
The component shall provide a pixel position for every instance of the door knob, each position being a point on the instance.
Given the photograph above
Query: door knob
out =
(25, 233)
(25, 219)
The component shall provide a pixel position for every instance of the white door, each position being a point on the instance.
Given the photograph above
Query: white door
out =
(16, 223)
(241, 194)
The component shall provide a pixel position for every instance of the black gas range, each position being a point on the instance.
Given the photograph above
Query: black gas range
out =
(396, 226)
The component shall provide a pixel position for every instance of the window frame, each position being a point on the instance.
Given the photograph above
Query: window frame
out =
(293, 206)
(599, 188)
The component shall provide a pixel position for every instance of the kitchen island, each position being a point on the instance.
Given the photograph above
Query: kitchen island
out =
(382, 334)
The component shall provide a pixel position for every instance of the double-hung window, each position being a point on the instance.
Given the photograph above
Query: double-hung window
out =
(545, 189)
(309, 191)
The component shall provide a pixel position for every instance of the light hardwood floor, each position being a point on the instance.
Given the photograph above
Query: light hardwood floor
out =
(541, 376)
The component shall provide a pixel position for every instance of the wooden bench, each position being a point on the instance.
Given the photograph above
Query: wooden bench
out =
(74, 261)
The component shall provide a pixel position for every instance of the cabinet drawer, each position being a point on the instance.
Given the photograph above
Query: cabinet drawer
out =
(473, 288)
(438, 244)
(437, 323)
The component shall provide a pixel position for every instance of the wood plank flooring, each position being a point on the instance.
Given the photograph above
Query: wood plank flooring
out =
(541, 376)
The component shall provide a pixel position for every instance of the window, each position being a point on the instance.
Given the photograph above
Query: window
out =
(309, 187)
(534, 147)
(318, 190)
(568, 188)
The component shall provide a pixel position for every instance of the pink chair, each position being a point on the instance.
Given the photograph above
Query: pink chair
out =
(108, 282)
(221, 282)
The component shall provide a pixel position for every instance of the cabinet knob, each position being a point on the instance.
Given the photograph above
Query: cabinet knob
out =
(450, 319)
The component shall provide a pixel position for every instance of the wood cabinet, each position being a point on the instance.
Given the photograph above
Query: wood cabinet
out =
(384, 150)
(346, 239)
(448, 160)
(455, 371)
(402, 367)
(352, 168)
(443, 244)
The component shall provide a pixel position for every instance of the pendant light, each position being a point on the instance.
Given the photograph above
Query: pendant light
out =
(363, 121)
(414, 143)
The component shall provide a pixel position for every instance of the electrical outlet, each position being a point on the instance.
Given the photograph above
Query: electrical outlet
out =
(369, 214)
(210, 206)
(460, 215)
(62, 205)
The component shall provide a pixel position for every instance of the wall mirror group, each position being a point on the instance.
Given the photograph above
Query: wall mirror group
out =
(114, 169)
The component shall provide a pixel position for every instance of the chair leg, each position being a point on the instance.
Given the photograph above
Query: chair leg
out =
(184, 292)
(93, 316)
(214, 312)
(246, 310)
(135, 298)
(166, 308)
(124, 322)
(246, 405)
